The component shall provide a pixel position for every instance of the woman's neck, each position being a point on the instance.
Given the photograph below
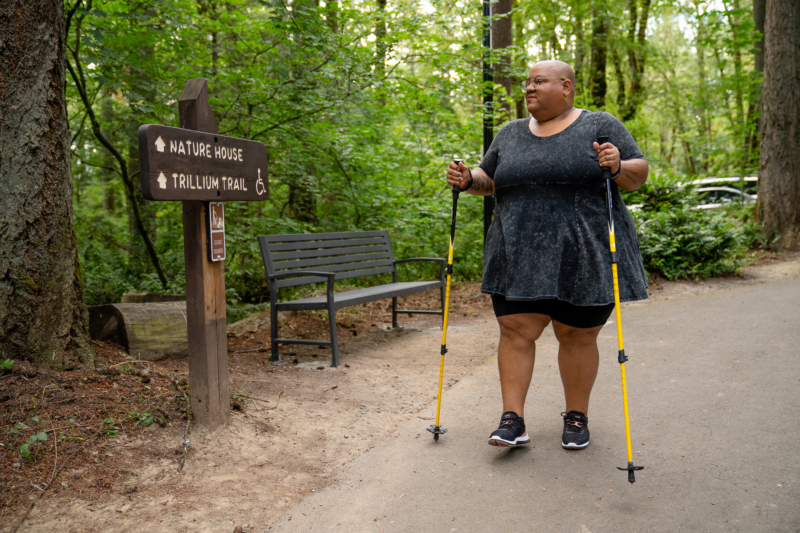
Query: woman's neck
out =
(555, 119)
(554, 125)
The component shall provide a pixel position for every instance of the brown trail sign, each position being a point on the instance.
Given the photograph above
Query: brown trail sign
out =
(195, 164)
(181, 164)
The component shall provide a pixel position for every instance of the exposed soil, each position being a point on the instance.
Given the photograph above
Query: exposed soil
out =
(272, 453)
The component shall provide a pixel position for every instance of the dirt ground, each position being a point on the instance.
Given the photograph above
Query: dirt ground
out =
(294, 424)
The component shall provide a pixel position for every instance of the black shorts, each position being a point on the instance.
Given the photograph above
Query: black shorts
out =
(576, 316)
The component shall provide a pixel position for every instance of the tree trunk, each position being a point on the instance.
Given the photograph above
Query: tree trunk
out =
(518, 29)
(380, 41)
(501, 38)
(579, 55)
(332, 15)
(779, 183)
(43, 316)
(599, 46)
(702, 105)
(636, 57)
(759, 11)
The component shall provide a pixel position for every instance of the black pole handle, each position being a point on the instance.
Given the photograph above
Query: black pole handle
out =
(606, 170)
(456, 188)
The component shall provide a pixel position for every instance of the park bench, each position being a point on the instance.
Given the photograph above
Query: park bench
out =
(291, 260)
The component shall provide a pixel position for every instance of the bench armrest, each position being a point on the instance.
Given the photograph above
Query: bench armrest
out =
(273, 293)
(441, 262)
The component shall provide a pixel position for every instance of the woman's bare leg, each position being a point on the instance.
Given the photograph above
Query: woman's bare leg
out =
(578, 361)
(516, 354)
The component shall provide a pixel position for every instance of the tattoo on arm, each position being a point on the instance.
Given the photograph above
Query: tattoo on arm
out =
(482, 185)
(633, 175)
(630, 175)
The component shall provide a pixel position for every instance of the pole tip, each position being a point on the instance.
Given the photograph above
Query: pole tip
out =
(631, 469)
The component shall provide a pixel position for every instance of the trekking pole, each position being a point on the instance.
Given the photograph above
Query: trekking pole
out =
(437, 429)
(622, 358)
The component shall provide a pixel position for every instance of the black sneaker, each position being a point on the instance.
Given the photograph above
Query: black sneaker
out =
(511, 431)
(576, 431)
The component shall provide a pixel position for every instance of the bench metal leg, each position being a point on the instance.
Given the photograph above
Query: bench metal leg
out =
(394, 313)
(334, 337)
(273, 323)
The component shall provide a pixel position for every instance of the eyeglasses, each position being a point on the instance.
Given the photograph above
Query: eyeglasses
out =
(536, 82)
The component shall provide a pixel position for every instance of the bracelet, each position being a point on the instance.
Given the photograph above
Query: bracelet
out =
(469, 184)
(619, 169)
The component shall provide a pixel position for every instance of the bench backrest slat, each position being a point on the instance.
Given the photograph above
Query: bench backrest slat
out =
(357, 260)
(324, 253)
(299, 237)
(349, 255)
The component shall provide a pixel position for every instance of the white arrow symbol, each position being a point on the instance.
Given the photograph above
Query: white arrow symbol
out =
(162, 180)
(160, 144)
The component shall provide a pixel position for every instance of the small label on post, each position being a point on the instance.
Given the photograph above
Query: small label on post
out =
(215, 229)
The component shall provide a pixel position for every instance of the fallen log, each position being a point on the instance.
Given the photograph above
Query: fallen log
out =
(151, 297)
(148, 331)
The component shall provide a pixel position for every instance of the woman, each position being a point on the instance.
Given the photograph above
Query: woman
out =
(547, 253)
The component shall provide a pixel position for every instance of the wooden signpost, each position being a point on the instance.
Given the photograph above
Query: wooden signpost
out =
(196, 165)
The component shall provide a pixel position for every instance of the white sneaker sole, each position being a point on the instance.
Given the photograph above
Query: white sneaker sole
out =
(573, 446)
(497, 441)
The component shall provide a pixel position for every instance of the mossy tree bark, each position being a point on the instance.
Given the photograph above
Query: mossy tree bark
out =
(779, 177)
(43, 316)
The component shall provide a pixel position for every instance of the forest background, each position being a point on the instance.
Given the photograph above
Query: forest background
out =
(362, 105)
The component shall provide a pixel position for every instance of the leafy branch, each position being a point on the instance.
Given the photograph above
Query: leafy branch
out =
(80, 84)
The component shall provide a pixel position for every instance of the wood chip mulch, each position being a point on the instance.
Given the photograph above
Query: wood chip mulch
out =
(84, 414)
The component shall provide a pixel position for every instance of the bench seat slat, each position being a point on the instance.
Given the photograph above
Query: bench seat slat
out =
(327, 253)
(325, 244)
(359, 296)
(299, 237)
(355, 260)
(340, 275)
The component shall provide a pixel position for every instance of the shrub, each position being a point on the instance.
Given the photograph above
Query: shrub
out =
(689, 243)
(662, 191)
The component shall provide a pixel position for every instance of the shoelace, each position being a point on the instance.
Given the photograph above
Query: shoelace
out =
(577, 425)
(507, 422)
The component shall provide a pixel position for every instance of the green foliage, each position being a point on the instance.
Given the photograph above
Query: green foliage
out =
(31, 446)
(678, 240)
(6, 364)
(360, 125)
(144, 419)
(690, 243)
(662, 191)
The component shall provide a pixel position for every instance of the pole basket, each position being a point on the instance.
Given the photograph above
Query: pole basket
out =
(437, 430)
(630, 468)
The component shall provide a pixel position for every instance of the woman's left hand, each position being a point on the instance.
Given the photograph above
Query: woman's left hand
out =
(608, 155)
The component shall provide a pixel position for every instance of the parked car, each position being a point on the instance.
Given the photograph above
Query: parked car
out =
(713, 197)
(734, 182)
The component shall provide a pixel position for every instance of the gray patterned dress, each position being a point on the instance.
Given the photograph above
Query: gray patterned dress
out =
(549, 236)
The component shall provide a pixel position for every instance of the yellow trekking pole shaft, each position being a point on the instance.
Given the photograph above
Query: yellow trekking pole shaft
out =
(437, 429)
(444, 334)
(621, 343)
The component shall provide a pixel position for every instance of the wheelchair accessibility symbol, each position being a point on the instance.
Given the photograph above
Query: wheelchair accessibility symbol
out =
(260, 188)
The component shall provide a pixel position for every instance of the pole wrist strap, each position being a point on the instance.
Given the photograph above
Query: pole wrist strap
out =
(613, 176)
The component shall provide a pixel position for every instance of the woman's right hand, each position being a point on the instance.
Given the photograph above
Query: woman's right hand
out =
(458, 174)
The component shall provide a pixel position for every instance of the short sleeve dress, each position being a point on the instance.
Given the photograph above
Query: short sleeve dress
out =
(549, 236)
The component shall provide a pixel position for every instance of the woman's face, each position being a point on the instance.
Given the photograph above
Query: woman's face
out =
(546, 100)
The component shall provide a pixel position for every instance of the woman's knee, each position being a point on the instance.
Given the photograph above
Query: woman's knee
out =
(575, 336)
(523, 328)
